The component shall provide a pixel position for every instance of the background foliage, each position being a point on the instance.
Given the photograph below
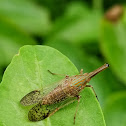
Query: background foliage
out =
(79, 29)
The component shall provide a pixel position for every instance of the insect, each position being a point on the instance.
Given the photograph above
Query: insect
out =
(66, 92)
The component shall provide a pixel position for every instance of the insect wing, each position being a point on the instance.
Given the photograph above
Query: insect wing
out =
(37, 95)
(31, 98)
(40, 112)
(51, 87)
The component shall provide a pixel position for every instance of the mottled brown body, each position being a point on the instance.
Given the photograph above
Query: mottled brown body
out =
(64, 90)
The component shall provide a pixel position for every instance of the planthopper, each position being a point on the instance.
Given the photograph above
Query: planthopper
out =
(65, 92)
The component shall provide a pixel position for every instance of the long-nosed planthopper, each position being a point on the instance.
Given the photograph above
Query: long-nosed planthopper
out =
(65, 92)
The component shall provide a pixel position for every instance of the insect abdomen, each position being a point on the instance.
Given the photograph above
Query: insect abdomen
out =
(62, 92)
(54, 96)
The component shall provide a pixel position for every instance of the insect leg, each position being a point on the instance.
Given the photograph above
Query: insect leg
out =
(92, 89)
(56, 73)
(81, 72)
(78, 99)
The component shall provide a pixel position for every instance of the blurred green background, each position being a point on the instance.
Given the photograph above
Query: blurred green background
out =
(87, 32)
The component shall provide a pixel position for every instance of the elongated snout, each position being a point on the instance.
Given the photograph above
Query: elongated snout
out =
(93, 73)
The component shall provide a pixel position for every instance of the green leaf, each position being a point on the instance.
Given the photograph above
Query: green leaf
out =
(11, 39)
(113, 46)
(26, 14)
(115, 110)
(78, 24)
(27, 72)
